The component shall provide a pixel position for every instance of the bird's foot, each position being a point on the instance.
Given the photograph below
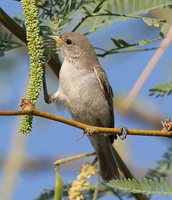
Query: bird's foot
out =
(89, 131)
(124, 131)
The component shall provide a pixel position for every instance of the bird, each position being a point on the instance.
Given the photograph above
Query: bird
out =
(84, 90)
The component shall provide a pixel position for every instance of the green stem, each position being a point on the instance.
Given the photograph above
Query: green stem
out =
(58, 189)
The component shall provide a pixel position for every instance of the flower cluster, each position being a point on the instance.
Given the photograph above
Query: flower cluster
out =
(36, 54)
(82, 183)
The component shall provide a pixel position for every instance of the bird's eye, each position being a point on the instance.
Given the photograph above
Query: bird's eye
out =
(68, 42)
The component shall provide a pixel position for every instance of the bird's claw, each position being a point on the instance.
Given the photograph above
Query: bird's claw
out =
(89, 131)
(123, 131)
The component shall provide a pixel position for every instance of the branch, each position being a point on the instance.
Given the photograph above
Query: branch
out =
(115, 131)
(72, 158)
(119, 50)
(83, 19)
(12, 26)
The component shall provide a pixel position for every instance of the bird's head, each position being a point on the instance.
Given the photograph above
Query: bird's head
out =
(74, 45)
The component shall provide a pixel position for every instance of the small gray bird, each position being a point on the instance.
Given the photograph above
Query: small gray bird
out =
(84, 90)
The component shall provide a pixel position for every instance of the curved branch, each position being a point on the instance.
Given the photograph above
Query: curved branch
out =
(72, 158)
(116, 131)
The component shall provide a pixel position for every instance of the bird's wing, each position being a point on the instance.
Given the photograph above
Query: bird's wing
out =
(106, 88)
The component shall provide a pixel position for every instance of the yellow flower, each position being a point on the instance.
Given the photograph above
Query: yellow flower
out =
(82, 183)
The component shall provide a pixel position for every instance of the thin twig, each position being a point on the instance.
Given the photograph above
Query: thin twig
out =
(72, 158)
(83, 19)
(114, 51)
(96, 191)
(36, 112)
(148, 69)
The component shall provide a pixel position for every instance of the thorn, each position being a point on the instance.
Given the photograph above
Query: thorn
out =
(82, 135)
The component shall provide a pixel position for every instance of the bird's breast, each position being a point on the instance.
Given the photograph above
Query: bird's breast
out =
(80, 93)
(76, 84)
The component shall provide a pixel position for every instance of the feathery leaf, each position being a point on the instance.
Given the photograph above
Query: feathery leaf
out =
(146, 186)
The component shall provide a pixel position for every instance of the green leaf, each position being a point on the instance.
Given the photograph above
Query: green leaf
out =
(7, 43)
(168, 184)
(164, 30)
(58, 189)
(143, 42)
(152, 22)
(164, 166)
(148, 21)
(98, 7)
(145, 185)
(163, 184)
(114, 10)
(123, 43)
(161, 90)
(47, 194)
(120, 43)
(157, 184)
(116, 42)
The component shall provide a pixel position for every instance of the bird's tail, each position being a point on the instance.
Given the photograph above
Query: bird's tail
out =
(126, 172)
(111, 164)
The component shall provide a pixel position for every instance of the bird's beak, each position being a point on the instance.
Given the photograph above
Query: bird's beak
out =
(57, 39)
